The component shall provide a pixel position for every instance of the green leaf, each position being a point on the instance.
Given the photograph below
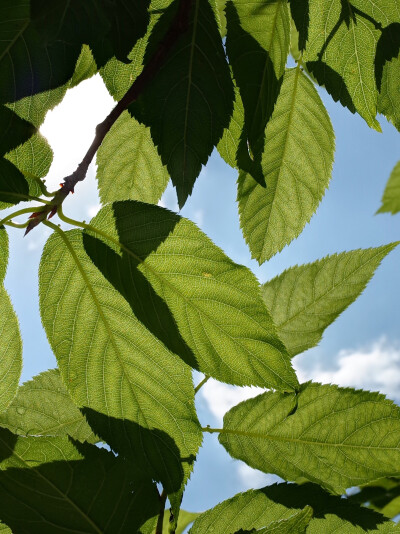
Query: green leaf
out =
(13, 186)
(382, 495)
(43, 407)
(215, 303)
(4, 529)
(256, 508)
(257, 44)
(139, 397)
(388, 99)
(229, 143)
(297, 524)
(33, 159)
(299, 10)
(297, 168)
(189, 101)
(34, 108)
(333, 436)
(10, 351)
(14, 130)
(54, 485)
(128, 164)
(109, 28)
(391, 196)
(185, 518)
(306, 299)
(341, 53)
(27, 64)
(4, 251)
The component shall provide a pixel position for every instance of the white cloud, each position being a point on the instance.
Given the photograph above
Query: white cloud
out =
(93, 210)
(222, 397)
(198, 217)
(251, 478)
(375, 368)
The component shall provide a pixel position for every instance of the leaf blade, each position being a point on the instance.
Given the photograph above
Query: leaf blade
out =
(216, 303)
(333, 436)
(306, 299)
(297, 168)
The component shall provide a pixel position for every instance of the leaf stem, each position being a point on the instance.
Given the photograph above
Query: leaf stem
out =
(212, 430)
(17, 214)
(163, 498)
(201, 384)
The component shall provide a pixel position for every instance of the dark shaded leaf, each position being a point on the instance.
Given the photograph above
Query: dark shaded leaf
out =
(189, 101)
(54, 486)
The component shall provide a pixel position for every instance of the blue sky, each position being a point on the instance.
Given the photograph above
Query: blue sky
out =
(362, 348)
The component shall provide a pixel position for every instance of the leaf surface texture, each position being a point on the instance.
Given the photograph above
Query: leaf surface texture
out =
(306, 299)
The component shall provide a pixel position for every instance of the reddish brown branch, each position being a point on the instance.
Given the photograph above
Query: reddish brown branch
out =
(178, 27)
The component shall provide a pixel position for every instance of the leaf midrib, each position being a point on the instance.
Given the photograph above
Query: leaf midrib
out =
(271, 437)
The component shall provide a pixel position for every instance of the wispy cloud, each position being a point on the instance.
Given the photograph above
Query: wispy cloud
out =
(375, 367)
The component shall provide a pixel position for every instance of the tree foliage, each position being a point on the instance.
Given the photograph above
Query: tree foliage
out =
(136, 299)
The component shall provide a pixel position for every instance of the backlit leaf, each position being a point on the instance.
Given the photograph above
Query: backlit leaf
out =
(13, 186)
(14, 130)
(139, 397)
(388, 99)
(10, 351)
(128, 164)
(229, 143)
(189, 101)
(215, 303)
(185, 518)
(333, 436)
(391, 195)
(257, 44)
(53, 485)
(34, 108)
(296, 165)
(305, 299)
(256, 508)
(43, 407)
(4, 251)
(344, 41)
(11, 344)
(28, 65)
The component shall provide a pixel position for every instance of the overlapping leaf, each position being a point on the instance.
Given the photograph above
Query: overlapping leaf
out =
(136, 394)
(43, 407)
(305, 299)
(282, 502)
(11, 344)
(128, 164)
(229, 143)
(27, 64)
(340, 54)
(33, 159)
(388, 101)
(189, 101)
(391, 195)
(329, 435)
(14, 130)
(185, 518)
(34, 108)
(52, 485)
(13, 186)
(297, 167)
(382, 495)
(110, 28)
(215, 303)
(257, 44)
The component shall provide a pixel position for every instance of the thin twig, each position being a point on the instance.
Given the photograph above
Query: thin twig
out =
(201, 384)
(178, 27)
